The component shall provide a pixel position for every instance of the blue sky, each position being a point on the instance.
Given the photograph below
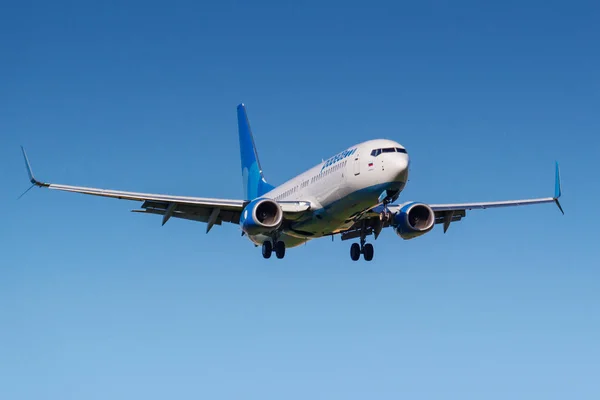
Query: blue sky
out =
(97, 302)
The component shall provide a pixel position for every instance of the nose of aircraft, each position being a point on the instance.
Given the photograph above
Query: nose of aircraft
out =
(400, 167)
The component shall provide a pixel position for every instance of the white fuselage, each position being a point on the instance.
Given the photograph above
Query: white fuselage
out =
(341, 187)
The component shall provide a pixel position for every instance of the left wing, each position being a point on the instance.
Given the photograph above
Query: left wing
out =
(209, 210)
(445, 214)
(510, 203)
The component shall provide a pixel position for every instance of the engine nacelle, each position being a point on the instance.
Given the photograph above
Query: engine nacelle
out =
(261, 216)
(413, 219)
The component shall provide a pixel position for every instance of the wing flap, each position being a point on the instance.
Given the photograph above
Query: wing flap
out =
(441, 216)
(224, 216)
(191, 212)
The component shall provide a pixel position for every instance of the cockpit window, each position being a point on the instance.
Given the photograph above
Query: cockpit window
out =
(377, 152)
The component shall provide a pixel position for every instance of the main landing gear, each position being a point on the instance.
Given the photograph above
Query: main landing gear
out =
(268, 248)
(366, 249)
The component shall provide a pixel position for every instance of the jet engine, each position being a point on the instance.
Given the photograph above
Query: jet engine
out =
(261, 216)
(413, 219)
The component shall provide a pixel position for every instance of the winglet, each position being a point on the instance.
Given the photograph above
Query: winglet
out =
(30, 172)
(557, 189)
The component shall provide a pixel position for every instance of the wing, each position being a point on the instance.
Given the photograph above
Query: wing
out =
(445, 214)
(209, 210)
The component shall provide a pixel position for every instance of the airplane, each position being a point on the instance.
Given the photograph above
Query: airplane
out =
(350, 194)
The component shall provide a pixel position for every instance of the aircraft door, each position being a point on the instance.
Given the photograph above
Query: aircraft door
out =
(356, 165)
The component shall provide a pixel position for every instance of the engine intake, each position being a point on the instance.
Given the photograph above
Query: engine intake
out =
(261, 216)
(413, 220)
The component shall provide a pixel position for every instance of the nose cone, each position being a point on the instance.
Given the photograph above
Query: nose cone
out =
(400, 167)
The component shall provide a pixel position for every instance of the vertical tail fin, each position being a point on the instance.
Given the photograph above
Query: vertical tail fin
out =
(255, 184)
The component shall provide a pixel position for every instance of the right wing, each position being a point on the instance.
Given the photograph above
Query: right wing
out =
(208, 210)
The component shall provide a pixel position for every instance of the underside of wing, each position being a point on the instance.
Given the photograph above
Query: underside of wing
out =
(210, 214)
(209, 210)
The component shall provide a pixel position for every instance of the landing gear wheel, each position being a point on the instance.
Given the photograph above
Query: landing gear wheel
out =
(267, 249)
(368, 252)
(280, 249)
(355, 251)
